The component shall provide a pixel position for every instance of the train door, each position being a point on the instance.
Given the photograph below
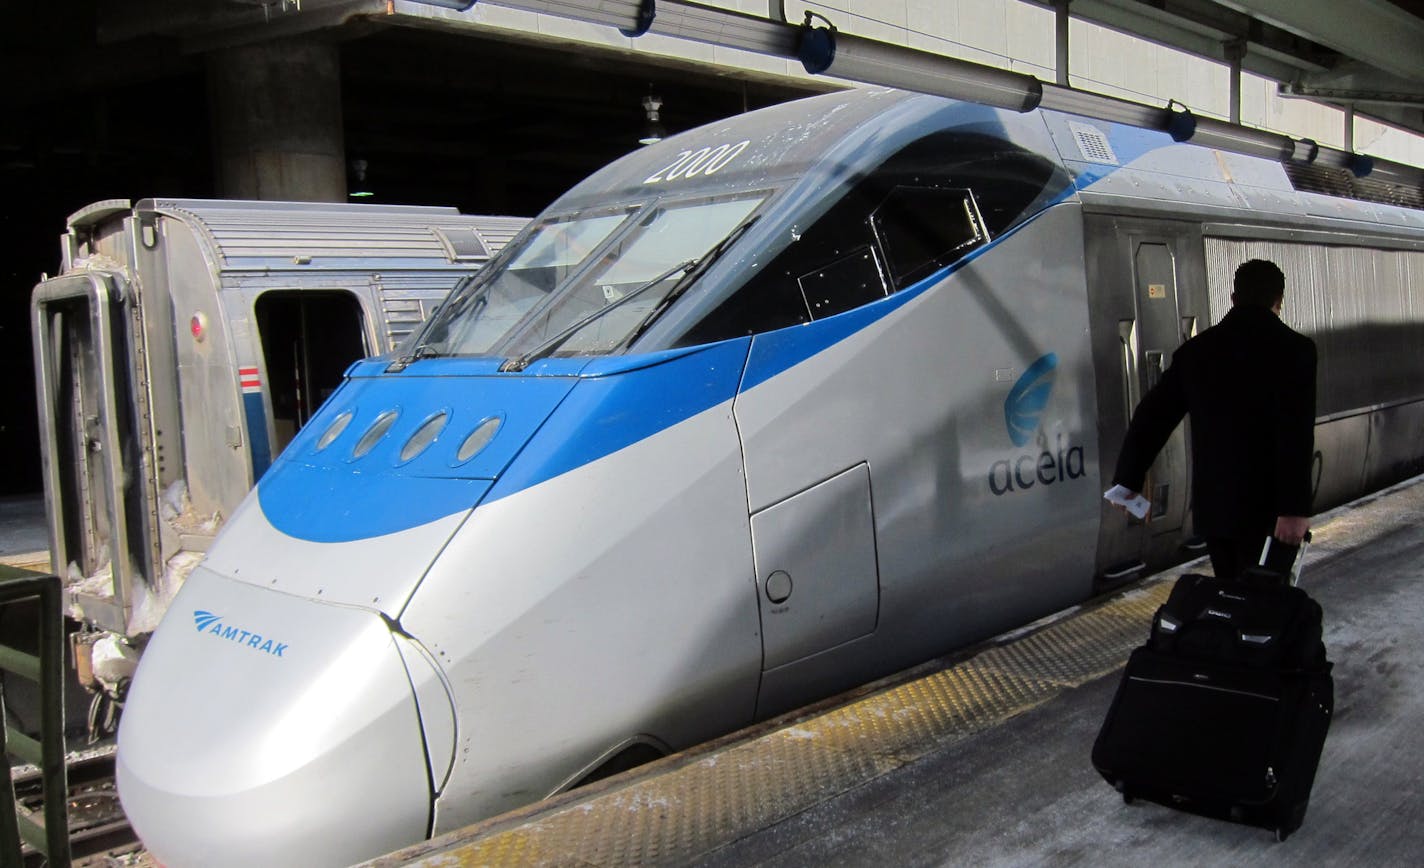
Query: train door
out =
(93, 406)
(1147, 280)
(1158, 334)
(309, 339)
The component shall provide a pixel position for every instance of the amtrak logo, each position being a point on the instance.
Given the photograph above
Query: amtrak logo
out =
(1024, 406)
(1023, 417)
(212, 625)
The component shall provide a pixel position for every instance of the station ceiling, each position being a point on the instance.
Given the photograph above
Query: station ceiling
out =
(1365, 53)
(505, 125)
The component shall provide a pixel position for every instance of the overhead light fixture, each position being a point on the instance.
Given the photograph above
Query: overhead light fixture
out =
(654, 132)
(359, 188)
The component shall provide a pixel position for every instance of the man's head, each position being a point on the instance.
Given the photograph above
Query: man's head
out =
(1259, 282)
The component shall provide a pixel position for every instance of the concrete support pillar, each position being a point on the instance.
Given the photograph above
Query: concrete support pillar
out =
(277, 121)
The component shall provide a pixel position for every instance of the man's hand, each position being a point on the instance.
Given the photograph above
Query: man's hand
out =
(1130, 502)
(1290, 529)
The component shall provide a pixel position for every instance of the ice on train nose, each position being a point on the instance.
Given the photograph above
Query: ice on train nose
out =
(268, 729)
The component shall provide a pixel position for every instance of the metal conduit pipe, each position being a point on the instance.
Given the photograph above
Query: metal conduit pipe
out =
(1391, 173)
(824, 50)
(1102, 107)
(681, 20)
(1361, 165)
(1240, 139)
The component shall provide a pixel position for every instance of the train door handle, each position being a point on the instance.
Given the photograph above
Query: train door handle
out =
(1127, 347)
(1155, 367)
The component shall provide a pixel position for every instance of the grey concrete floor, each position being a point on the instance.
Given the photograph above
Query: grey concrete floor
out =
(1025, 793)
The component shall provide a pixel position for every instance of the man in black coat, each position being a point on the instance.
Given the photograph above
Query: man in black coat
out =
(1249, 384)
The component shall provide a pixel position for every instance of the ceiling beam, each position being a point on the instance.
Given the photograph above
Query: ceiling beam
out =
(1375, 32)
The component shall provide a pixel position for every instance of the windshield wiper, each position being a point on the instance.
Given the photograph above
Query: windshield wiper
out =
(686, 281)
(424, 347)
(420, 351)
(520, 362)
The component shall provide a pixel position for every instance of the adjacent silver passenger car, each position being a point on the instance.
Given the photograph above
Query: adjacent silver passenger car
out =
(182, 345)
(748, 417)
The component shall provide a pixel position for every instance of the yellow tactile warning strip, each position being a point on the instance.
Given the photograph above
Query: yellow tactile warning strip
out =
(677, 812)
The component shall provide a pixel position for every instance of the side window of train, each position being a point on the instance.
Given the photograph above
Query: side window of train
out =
(845, 283)
(922, 229)
(924, 207)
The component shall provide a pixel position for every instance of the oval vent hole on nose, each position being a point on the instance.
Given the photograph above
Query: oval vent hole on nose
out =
(424, 436)
(334, 430)
(478, 439)
(374, 434)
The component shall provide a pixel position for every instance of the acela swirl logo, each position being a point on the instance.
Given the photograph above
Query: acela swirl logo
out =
(1028, 397)
(1023, 416)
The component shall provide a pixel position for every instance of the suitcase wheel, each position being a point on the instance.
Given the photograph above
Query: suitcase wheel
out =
(1282, 834)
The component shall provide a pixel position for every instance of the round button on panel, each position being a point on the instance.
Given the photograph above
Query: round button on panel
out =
(778, 586)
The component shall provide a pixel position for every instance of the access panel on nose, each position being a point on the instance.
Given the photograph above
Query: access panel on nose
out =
(817, 580)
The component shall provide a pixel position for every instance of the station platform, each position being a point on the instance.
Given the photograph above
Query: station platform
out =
(24, 540)
(983, 758)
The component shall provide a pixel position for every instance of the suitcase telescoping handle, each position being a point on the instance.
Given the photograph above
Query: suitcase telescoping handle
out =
(1294, 573)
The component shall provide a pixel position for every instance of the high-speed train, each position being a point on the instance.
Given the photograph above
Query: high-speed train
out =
(750, 416)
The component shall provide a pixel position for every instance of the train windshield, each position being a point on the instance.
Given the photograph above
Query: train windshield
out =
(584, 284)
(479, 315)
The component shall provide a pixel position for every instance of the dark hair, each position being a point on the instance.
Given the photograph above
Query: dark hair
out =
(1259, 282)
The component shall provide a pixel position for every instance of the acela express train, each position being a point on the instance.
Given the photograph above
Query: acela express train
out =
(750, 416)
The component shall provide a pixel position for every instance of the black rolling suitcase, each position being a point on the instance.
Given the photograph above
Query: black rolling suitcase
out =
(1223, 712)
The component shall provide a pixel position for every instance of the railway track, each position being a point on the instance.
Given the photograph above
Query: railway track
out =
(99, 833)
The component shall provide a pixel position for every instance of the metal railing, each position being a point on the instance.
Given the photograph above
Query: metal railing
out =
(49, 833)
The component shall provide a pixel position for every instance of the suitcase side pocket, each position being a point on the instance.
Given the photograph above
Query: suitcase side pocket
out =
(1180, 731)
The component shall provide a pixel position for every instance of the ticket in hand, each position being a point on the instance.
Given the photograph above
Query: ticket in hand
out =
(1133, 503)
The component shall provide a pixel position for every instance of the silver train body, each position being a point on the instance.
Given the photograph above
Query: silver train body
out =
(182, 345)
(751, 416)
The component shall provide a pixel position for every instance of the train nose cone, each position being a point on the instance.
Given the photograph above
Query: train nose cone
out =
(266, 729)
